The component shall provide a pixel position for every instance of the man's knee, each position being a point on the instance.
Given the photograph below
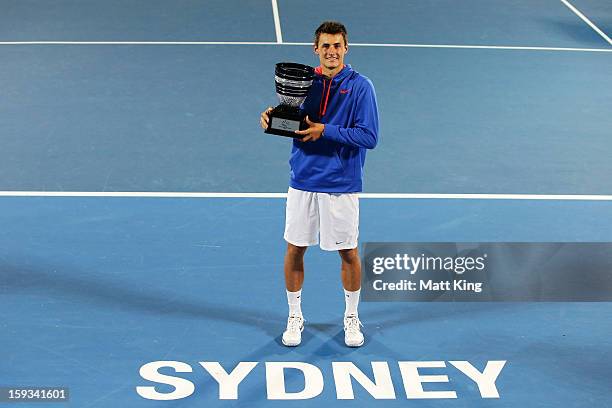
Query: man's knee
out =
(349, 256)
(295, 251)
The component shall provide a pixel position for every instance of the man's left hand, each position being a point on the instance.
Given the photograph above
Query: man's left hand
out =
(313, 133)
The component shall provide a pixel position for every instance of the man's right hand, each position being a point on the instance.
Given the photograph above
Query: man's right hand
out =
(265, 118)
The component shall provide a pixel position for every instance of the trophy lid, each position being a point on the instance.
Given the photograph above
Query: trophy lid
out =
(294, 71)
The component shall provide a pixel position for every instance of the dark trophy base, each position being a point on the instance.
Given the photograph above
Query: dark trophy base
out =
(284, 120)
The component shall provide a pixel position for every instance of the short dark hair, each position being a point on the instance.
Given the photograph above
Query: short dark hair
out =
(331, 27)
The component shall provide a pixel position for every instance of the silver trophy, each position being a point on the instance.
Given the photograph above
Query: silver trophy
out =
(292, 84)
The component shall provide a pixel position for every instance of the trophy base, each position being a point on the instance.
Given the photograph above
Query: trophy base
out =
(284, 121)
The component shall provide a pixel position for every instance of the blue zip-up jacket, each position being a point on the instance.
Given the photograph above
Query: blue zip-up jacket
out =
(346, 104)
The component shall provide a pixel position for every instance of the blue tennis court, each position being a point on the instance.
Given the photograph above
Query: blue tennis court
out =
(142, 207)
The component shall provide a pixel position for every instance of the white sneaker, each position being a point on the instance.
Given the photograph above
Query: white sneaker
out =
(352, 333)
(293, 335)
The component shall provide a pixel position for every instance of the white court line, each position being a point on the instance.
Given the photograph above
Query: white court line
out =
(138, 43)
(564, 197)
(481, 47)
(277, 26)
(586, 20)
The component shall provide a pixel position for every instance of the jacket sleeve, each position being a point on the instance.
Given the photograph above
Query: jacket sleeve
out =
(364, 133)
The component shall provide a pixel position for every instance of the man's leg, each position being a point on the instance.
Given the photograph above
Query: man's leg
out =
(294, 278)
(339, 215)
(351, 269)
(351, 281)
(301, 230)
(294, 267)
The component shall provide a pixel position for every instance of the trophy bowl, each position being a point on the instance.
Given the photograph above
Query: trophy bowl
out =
(292, 81)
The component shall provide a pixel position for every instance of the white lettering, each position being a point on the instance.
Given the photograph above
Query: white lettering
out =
(377, 265)
(379, 385)
(381, 388)
(275, 381)
(228, 383)
(183, 387)
(413, 381)
(486, 379)
(416, 262)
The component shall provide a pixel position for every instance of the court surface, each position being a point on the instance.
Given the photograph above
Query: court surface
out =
(141, 206)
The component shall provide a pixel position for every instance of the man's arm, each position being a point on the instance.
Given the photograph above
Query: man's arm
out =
(365, 132)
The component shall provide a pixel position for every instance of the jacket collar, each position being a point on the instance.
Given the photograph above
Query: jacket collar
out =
(344, 72)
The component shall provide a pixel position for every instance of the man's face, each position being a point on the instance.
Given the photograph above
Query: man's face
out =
(331, 50)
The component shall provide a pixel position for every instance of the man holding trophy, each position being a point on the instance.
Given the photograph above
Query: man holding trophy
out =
(332, 129)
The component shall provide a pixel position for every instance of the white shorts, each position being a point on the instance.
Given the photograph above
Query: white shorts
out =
(335, 216)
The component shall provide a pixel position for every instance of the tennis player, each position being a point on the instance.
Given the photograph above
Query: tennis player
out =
(326, 175)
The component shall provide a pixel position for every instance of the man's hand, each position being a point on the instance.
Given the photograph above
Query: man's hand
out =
(264, 119)
(313, 133)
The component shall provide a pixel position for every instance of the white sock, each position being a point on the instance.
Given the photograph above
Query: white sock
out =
(294, 299)
(352, 300)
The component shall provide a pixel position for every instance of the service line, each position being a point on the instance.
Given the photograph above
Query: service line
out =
(277, 43)
(158, 194)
